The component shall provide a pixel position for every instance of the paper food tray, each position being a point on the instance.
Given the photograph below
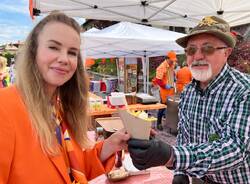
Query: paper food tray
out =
(136, 127)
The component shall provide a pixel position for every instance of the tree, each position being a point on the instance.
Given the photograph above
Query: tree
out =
(240, 57)
(9, 56)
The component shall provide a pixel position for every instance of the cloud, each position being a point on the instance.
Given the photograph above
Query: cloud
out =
(15, 22)
(13, 33)
(9, 8)
(15, 6)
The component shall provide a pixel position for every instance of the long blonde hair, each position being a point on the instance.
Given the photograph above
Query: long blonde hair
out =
(3, 63)
(73, 94)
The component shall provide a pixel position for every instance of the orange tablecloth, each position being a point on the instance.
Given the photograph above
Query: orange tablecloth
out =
(104, 110)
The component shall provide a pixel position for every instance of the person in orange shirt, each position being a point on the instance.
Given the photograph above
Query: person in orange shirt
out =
(183, 77)
(44, 117)
(165, 80)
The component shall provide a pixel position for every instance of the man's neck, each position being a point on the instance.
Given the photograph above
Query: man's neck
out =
(203, 85)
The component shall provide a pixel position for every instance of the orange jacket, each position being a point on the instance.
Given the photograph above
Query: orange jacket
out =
(183, 77)
(165, 73)
(21, 157)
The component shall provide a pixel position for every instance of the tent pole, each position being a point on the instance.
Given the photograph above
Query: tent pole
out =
(144, 74)
(147, 64)
(84, 57)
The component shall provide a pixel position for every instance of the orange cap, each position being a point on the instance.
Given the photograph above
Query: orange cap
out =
(172, 55)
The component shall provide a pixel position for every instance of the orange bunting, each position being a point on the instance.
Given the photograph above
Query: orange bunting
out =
(89, 62)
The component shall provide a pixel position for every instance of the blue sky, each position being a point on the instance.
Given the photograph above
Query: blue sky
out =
(15, 21)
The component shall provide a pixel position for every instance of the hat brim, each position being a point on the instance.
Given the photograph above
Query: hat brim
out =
(225, 37)
(173, 59)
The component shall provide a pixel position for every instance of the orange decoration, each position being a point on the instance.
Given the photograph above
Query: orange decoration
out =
(89, 62)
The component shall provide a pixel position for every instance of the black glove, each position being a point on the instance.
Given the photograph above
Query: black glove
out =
(149, 153)
(180, 179)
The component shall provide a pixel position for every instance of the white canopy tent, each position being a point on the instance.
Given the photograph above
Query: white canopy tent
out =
(93, 29)
(182, 13)
(126, 39)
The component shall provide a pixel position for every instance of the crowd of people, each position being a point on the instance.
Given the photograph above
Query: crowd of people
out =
(46, 140)
(7, 73)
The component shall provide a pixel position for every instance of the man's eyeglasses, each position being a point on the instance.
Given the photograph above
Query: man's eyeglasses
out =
(205, 49)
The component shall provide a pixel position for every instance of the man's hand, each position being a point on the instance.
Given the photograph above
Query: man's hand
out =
(180, 179)
(149, 153)
(167, 86)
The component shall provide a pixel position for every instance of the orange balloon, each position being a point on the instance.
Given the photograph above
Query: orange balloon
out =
(89, 62)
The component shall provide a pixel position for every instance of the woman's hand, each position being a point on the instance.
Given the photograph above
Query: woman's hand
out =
(116, 142)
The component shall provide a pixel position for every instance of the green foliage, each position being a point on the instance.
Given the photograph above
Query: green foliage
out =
(107, 67)
(8, 56)
(181, 59)
(95, 66)
(152, 74)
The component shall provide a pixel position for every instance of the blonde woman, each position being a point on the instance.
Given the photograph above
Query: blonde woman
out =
(3, 72)
(44, 120)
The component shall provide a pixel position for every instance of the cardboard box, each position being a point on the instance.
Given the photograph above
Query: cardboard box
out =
(131, 99)
(109, 125)
(136, 127)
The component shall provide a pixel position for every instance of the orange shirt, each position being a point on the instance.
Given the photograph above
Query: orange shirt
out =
(165, 73)
(183, 77)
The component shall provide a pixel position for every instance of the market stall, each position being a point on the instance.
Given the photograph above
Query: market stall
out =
(102, 109)
(129, 40)
(105, 110)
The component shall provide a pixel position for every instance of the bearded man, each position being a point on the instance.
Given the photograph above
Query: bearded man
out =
(213, 141)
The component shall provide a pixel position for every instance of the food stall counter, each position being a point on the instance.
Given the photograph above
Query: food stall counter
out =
(105, 110)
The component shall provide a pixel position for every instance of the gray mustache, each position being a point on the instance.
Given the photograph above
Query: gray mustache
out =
(199, 63)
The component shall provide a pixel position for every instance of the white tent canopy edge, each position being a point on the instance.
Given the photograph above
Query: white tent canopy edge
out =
(181, 13)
